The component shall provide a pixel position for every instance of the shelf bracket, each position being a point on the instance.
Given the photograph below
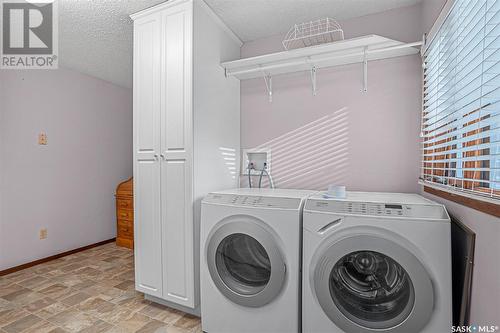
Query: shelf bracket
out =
(313, 80)
(365, 69)
(268, 79)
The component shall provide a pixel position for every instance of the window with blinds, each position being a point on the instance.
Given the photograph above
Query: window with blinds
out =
(461, 94)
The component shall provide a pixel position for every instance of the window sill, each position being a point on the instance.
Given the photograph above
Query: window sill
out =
(481, 204)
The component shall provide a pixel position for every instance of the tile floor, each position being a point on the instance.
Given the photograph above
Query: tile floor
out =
(91, 292)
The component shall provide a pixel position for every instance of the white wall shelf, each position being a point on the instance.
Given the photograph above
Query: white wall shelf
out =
(344, 52)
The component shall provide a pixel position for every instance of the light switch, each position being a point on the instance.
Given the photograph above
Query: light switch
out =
(43, 233)
(42, 139)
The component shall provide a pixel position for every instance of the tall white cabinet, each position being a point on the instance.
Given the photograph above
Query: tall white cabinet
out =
(186, 141)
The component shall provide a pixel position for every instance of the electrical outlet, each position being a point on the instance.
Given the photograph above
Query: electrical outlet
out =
(42, 139)
(43, 233)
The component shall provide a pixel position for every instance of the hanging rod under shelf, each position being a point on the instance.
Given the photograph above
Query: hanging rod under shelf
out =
(350, 51)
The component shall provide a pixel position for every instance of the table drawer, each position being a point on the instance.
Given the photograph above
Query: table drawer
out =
(125, 223)
(125, 203)
(125, 214)
(125, 232)
(125, 242)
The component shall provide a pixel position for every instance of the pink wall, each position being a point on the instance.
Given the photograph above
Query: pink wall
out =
(2, 98)
(367, 141)
(67, 186)
(430, 12)
(403, 24)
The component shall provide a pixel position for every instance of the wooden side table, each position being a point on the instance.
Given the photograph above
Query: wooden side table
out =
(125, 214)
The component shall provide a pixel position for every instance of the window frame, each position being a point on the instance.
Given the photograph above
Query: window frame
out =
(487, 207)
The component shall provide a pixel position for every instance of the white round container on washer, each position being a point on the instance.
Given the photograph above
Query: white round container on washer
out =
(250, 260)
(376, 262)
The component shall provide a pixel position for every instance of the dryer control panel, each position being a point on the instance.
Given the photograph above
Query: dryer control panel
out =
(376, 209)
(252, 201)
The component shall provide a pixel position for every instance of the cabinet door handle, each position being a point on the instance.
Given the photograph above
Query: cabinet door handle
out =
(162, 157)
(155, 157)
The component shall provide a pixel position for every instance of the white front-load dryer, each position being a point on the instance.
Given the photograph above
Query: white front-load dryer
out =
(376, 262)
(250, 260)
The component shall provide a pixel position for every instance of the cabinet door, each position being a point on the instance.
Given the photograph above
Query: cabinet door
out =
(147, 53)
(176, 146)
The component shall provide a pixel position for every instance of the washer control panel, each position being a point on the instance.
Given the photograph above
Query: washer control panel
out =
(376, 209)
(252, 201)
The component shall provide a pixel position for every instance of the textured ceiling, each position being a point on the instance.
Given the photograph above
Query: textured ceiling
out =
(95, 37)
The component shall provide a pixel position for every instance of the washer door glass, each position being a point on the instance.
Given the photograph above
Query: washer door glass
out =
(245, 261)
(243, 264)
(371, 289)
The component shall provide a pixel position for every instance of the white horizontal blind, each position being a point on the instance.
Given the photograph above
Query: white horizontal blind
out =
(461, 95)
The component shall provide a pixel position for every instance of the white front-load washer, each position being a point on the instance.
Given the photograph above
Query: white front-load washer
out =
(376, 262)
(250, 260)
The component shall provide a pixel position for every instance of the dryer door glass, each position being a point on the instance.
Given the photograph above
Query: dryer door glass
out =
(367, 283)
(371, 289)
(243, 264)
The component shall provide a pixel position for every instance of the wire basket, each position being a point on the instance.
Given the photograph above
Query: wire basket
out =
(306, 34)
